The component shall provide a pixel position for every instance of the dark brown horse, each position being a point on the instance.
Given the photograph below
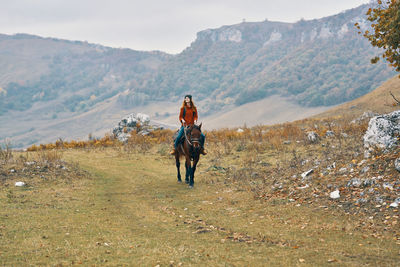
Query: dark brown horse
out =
(190, 149)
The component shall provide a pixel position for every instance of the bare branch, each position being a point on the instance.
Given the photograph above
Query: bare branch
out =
(398, 102)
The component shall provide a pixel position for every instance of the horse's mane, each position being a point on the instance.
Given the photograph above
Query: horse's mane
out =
(196, 127)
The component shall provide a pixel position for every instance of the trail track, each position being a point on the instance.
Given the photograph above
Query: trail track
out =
(132, 212)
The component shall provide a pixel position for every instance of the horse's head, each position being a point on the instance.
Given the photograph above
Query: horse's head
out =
(195, 135)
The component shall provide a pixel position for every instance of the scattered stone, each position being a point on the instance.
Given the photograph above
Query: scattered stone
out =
(365, 169)
(369, 182)
(303, 187)
(335, 194)
(313, 137)
(240, 130)
(361, 162)
(20, 184)
(288, 142)
(379, 199)
(355, 182)
(144, 132)
(387, 186)
(365, 115)
(361, 200)
(330, 134)
(304, 162)
(345, 135)
(397, 164)
(396, 203)
(332, 166)
(307, 173)
(371, 190)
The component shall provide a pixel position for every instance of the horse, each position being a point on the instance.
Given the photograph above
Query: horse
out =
(190, 149)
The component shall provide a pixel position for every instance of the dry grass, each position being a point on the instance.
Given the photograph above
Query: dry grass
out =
(5, 152)
(134, 213)
(247, 207)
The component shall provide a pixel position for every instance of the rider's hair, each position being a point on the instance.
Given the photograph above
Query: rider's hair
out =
(191, 103)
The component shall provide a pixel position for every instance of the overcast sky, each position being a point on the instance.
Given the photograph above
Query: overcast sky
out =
(166, 25)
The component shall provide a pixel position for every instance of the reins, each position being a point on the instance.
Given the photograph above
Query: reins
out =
(187, 139)
(194, 140)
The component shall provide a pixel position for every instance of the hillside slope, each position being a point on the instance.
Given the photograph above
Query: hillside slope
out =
(37, 70)
(379, 101)
(231, 71)
(315, 63)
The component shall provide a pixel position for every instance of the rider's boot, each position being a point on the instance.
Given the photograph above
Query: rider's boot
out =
(173, 151)
(203, 151)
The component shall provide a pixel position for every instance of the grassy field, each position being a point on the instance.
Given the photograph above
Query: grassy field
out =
(121, 209)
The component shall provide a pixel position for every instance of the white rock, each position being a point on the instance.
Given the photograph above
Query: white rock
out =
(240, 130)
(396, 203)
(332, 166)
(361, 162)
(383, 131)
(303, 187)
(329, 134)
(305, 174)
(20, 184)
(343, 31)
(232, 35)
(325, 32)
(397, 164)
(387, 186)
(275, 37)
(335, 194)
(312, 136)
(366, 115)
(143, 118)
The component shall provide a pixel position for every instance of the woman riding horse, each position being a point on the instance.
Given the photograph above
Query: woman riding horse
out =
(188, 117)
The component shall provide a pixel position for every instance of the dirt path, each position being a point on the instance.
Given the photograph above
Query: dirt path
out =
(214, 224)
(133, 212)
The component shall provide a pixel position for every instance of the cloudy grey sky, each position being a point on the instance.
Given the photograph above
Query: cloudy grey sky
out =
(166, 25)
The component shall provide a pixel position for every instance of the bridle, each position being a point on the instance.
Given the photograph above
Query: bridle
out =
(192, 140)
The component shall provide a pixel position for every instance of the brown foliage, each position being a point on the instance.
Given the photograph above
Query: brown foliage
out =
(385, 18)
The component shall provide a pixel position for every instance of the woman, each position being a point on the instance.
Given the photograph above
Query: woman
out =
(188, 116)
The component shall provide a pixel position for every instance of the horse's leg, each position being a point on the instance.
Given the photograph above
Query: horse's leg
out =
(188, 170)
(191, 183)
(178, 165)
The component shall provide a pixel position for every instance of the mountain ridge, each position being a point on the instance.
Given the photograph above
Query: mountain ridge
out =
(315, 63)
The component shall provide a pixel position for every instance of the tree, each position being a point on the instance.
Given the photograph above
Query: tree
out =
(385, 19)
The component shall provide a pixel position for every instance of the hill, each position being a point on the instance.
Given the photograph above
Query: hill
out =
(314, 63)
(76, 75)
(51, 88)
(378, 101)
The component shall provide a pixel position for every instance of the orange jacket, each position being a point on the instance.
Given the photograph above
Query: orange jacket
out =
(190, 115)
